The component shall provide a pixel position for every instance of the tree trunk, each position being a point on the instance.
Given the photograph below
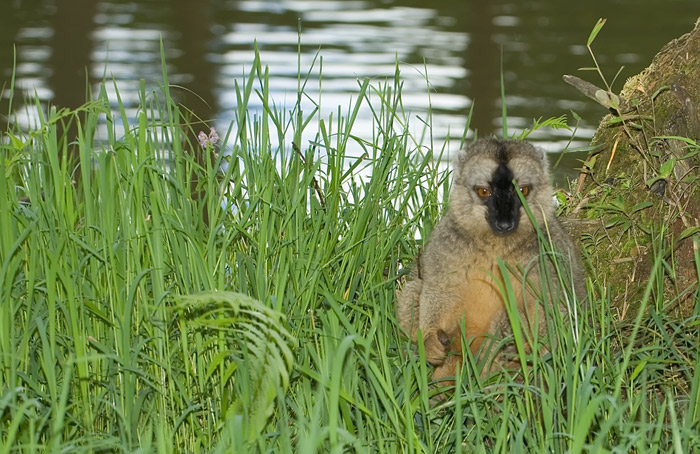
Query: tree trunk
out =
(640, 185)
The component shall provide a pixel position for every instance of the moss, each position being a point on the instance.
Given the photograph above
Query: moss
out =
(631, 213)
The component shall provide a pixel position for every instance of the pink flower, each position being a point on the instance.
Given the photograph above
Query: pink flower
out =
(203, 139)
(208, 140)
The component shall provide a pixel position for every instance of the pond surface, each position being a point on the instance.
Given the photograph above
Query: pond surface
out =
(459, 45)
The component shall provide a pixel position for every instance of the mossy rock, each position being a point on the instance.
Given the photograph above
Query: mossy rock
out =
(640, 192)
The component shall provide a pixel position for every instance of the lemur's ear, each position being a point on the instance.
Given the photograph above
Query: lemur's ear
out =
(459, 160)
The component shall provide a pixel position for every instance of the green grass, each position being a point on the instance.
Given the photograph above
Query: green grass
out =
(129, 324)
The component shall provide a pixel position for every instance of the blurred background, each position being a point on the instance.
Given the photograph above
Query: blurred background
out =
(59, 48)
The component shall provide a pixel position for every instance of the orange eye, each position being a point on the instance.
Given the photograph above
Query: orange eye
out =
(482, 192)
(525, 190)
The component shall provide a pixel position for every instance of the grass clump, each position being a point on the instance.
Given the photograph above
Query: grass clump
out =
(156, 297)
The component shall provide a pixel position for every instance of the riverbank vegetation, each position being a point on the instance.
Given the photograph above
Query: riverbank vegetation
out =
(155, 301)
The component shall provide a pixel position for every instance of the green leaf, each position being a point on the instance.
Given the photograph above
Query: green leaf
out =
(687, 140)
(641, 206)
(16, 143)
(598, 26)
(690, 231)
(664, 171)
(667, 167)
(639, 368)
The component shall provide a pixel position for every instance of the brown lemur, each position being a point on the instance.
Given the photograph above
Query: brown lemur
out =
(457, 278)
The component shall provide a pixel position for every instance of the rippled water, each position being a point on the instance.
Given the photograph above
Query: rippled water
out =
(458, 46)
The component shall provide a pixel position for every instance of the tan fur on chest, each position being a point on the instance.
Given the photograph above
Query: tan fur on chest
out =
(480, 303)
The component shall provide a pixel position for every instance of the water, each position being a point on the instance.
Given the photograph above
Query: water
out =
(61, 47)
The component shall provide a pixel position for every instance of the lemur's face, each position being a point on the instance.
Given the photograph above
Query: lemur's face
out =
(487, 181)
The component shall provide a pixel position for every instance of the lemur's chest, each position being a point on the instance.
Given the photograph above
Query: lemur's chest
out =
(480, 297)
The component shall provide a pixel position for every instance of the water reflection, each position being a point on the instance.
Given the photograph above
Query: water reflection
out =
(457, 46)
